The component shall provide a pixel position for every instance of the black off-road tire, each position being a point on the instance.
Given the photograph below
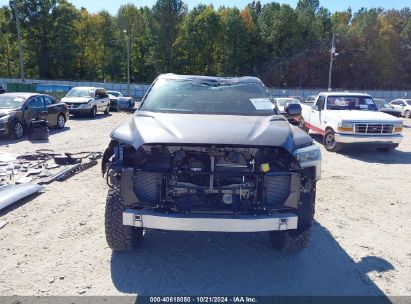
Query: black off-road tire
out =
(119, 237)
(290, 241)
(329, 142)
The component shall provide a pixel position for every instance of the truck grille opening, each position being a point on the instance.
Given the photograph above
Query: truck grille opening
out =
(216, 179)
(73, 105)
(374, 128)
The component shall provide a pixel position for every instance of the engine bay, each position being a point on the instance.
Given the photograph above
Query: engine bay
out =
(213, 178)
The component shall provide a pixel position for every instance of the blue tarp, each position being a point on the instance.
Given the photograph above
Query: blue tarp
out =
(52, 88)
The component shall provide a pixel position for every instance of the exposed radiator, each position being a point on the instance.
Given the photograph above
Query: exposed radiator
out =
(277, 189)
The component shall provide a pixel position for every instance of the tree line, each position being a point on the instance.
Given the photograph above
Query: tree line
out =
(284, 46)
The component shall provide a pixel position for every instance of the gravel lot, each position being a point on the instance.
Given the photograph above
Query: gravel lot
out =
(54, 244)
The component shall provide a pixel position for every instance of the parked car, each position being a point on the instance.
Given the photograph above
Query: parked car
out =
(210, 154)
(118, 101)
(18, 109)
(300, 98)
(385, 107)
(87, 100)
(281, 103)
(351, 118)
(311, 99)
(403, 105)
(2, 90)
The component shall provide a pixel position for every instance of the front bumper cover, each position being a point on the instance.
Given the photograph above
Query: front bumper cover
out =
(382, 140)
(5, 128)
(212, 223)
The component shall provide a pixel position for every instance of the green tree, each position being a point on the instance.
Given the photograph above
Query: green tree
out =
(167, 16)
(8, 45)
(197, 41)
(235, 42)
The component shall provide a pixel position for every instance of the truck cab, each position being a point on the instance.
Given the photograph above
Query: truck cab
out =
(351, 119)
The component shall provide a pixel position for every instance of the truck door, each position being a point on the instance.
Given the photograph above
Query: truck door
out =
(316, 117)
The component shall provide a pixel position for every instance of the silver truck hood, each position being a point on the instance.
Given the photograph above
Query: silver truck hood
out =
(151, 128)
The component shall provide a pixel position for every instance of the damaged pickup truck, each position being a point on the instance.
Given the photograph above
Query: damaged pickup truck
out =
(210, 154)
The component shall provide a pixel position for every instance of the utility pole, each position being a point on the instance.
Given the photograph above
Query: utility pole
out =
(333, 54)
(14, 3)
(128, 62)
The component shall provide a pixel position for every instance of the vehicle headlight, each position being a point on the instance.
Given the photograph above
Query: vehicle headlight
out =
(309, 157)
(398, 127)
(85, 105)
(346, 127)
(307, 154)
(4, 119)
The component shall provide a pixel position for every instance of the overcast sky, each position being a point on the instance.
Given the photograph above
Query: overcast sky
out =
(333, 5)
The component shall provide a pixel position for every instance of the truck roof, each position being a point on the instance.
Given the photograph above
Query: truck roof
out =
(343, 94)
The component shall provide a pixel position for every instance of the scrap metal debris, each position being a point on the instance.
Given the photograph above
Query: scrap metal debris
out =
(23, 175)
(40, 167)
(9, 194)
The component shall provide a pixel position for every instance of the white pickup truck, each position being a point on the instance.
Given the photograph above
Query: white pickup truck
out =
(351, 118)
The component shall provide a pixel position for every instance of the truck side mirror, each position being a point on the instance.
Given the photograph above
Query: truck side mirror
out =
(293, 109)
(315, 107)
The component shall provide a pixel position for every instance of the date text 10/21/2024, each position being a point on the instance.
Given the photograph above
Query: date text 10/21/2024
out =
(199, 299)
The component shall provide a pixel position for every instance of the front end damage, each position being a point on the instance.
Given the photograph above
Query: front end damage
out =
(214, 187)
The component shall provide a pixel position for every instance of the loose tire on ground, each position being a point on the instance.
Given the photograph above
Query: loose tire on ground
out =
(329, 142)
(118, 236)
(291, 241)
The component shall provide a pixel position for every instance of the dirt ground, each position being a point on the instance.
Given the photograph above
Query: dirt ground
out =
(54, 244)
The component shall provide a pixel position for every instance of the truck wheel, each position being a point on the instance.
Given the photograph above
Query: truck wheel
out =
(329, 142)
(291, 241)
(119, 237)
(407, 114)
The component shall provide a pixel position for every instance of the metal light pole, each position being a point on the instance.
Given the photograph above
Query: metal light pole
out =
(128, 62)
(14, 3)
(332, 54)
